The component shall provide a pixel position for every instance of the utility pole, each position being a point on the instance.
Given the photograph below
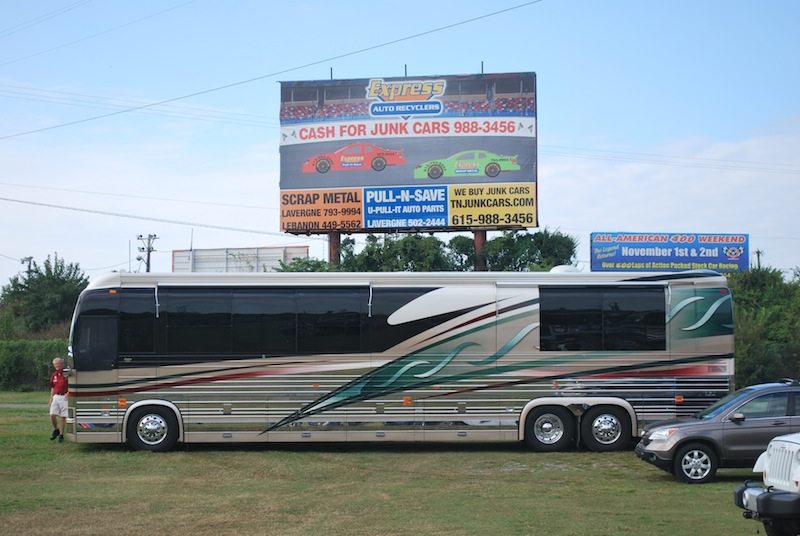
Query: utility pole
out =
(147, 248)
(27, 260)
(758, 254)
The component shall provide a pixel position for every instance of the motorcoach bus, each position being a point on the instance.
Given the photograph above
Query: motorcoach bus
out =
(554, 359)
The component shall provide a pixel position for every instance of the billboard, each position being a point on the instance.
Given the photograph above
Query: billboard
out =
(669, 252)
(432, 153)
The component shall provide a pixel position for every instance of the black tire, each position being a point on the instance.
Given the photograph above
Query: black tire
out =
(323, 165)
(492, 169)
(379, 163)
(606, 428)
(696, 463)
(549, 429)
(152, 428)
(435, 171)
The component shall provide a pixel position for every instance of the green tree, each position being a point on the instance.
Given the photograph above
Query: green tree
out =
(519, 251)
(44, 296)
(419, 253)
(767, 318)
(396, 253)
(372, 258)
(305, 265)
(462, 253)
(414, 252)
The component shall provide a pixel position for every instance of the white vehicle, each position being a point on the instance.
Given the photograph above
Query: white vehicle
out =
(777, 503)
(550, 359)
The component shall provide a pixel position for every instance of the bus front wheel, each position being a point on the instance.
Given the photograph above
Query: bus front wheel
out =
(152, 428)
(549, 429)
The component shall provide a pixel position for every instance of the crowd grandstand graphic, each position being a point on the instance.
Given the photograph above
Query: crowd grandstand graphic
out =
(454, 106)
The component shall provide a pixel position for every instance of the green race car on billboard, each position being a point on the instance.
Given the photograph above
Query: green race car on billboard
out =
(467, 163)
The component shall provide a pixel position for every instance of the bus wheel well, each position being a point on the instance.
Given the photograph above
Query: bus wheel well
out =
(155, 427)
(600, 423)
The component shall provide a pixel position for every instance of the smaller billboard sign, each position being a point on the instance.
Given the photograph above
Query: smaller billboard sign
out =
(669, 252)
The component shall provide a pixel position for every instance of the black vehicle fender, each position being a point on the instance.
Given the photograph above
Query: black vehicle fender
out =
(779, 505)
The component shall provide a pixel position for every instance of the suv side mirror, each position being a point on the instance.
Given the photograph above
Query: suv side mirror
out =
(737, 418)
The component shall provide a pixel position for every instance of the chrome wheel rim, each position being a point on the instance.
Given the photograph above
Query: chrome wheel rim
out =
(606, 429)
(548, 429)
(151, 429)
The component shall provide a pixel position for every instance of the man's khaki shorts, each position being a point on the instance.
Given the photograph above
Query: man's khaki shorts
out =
(59, 405)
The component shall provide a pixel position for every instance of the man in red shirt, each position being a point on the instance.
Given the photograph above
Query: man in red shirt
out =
(59, 391)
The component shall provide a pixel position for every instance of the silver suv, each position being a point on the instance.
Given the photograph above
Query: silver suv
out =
(731, 433)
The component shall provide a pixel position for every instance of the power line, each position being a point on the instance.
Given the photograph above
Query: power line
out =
(148, 218)
(110, 103)
(97, 34)
(690, 158)
(144, 197)
(262, 77)
(685, 162)
(41, 18)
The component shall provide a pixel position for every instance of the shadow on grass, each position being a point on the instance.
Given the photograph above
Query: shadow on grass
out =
(393, 447)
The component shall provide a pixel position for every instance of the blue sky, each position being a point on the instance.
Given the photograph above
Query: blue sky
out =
(679, 116)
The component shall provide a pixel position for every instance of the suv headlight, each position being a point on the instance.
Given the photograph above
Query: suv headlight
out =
(662, 434)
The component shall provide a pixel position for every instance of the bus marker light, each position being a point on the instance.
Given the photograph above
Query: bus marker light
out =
(406, 400)
(122, 402)
(679, 399)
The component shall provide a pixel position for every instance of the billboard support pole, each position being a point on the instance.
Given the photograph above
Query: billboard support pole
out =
(479, 240)
(334, 247)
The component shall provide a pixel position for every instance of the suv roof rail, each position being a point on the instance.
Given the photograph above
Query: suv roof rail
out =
(789, 381)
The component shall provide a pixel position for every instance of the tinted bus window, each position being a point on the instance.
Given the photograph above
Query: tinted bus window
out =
(198, 320)
(571, 319)
(95, 343)
(634, 319)
(137, 320)
(98, 303)
(264, 321)
(329, 320)
(602, 319)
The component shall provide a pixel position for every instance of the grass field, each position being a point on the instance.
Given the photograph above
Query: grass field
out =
(402, 489)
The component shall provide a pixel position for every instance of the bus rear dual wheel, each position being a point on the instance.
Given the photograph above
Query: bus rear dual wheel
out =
(552, 429)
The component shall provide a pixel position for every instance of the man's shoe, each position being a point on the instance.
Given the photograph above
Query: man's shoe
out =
(54, 435)
(61, 439)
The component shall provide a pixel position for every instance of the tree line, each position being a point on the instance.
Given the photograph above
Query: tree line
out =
(36, 305)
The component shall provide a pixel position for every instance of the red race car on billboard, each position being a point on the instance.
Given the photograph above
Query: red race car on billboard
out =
(354, 156)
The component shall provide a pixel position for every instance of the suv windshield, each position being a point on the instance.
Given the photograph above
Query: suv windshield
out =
(723, 404)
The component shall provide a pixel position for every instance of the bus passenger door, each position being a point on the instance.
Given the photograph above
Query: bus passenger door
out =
(93, 381)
